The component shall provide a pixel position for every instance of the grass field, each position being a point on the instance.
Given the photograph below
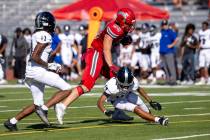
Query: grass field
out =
(188, 109)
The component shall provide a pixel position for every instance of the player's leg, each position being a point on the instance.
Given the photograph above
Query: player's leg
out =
(128, 106)
(202, 65)
(135, 99)
(94, 63)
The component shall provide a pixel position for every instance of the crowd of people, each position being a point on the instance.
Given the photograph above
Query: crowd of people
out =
(155, 55)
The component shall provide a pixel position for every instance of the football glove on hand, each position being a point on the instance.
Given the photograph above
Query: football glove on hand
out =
(155, 105)
(108, 113)
(114, 69)
(54, 67)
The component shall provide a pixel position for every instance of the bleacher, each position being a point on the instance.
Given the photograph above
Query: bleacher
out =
(22, 13)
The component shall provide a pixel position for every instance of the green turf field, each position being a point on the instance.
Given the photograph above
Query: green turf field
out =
(188, 110)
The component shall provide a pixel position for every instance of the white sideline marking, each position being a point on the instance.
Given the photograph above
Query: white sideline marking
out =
(183, 137)
(101, 86)
(194, 108)
(98, 94)
(3, 106)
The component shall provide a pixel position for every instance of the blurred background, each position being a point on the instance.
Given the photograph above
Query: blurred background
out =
(17, 25)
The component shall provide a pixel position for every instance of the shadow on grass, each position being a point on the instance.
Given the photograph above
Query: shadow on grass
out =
(1, 96)
(43, 127)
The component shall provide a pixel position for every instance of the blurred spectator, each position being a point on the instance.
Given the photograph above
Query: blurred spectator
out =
(3, 45)
(56, 46)
(204, 57)
(19, 47)
(189, 44)
(167, 52)
(83, 44)
(145, 53)
(126, 50)
(154, 43)
(28, 36)
(177, 4)
(67, 40)
(135, 60)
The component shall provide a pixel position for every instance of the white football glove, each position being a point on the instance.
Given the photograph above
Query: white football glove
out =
(54, 67)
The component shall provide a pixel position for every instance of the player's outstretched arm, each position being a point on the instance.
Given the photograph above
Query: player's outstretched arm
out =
(155, 105)
(100, 105)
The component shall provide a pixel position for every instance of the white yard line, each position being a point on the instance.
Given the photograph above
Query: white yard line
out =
(183, 137)
(101, 86)
(194, 108)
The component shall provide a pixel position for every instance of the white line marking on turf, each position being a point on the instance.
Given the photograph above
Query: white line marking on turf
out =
(101, 86)
(183, 137)
(89, 127)
(194, 108)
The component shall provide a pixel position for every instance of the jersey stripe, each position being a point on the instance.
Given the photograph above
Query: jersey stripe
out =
(109, 31)
(94, 63)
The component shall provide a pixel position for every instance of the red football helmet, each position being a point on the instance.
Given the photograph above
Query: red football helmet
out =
(126, 19)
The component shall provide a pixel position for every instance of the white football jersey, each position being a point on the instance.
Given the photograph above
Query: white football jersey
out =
(125, 55)
(155, 42)
(44, 38)
(66, 48)
(204, 37)
(67, 40)
(111, 88)
(144, 42)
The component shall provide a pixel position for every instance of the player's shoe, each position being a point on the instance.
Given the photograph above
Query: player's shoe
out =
(42, 114)
(10, 126)
(60, 111)
(120, 115)
(163, 121)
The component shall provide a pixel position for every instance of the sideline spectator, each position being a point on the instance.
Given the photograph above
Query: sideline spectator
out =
(204, 57)
(83, 44)
(167, 52)
(19, 46)
(3, 45)
(189, 44)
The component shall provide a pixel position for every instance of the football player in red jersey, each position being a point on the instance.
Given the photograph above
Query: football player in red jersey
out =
(98, 57)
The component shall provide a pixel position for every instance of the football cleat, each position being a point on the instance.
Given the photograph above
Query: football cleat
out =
(10, 126)
(60, 111)
(42, 114)
(119, 115)
(163, 121)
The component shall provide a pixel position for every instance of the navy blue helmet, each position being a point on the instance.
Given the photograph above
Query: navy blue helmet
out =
(145, 27)
(45, 21)
(153, 30)
(124, 77)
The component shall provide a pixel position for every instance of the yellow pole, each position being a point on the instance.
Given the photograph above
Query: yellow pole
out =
(96, 14)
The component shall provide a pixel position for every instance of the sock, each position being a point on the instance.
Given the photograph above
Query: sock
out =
(157, 119)
(63, 106)
(13, 120)
(44, 107)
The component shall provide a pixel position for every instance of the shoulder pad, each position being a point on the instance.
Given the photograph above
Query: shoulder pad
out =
(43, 37)
(111, 86)
(114, 30)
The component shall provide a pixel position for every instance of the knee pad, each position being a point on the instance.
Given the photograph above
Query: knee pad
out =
(80, 90)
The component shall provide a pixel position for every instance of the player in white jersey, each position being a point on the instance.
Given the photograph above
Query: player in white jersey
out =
(126, 51)
(120, 92)
(144, 63)
(39, 72)
(136, 54)
(67, 40)
(154, 42)
(204, 57)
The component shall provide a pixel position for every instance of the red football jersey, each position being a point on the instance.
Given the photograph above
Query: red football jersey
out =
(113, 30)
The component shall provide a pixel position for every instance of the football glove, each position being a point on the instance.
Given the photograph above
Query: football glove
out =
(108, 113)
(54, 67)
(114, 69)
(155, 105)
